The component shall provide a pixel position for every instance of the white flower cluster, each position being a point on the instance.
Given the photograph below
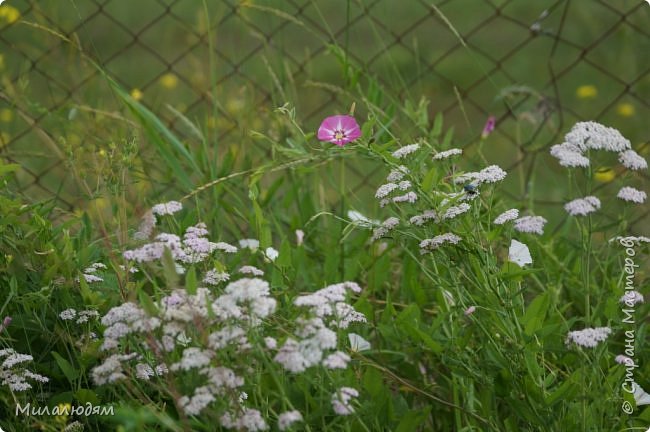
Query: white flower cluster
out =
(631, 194)
(316, 330)
(89, 273)
(491, 174)
(13, 373)
(167, 208)
(405, 151)
(423, 218)
(632, 297)
(288, 418)
(397, 174)
(585, 136)
(427, 245)
(82, 316)
(194, 248)
(530, 224)
(582, 206)
(385, 227)
(589, 337)
(447, 154)
(506, 216)
(215, 277)
(229, 317)
(341, 400)
(454, 211)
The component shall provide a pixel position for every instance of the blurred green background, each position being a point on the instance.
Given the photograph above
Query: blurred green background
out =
(537, 66)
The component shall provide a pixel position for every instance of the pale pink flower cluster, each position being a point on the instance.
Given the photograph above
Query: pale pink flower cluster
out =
(316, 331)
(589, 337)
(13, 373)
(342, 400)
(585, 136)
(89, 273)
(215, 277)
(397, 174)
(193, 248)
(167, 208)
(631, 297)
(631, 194)
(385, 227)
(427, 245)
(491, 174)
(530, 224)
(385, 193)
(454, 211)
(447, 154)
(426, 216)
(405, 151)
(171, 333)
(506, 216)
(623, 359)
(81, 316)
(288, 418)
(582, 206)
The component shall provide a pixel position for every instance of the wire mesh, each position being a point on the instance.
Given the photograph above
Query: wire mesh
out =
(544, 65)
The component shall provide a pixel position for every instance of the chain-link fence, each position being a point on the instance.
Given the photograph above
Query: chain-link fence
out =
(537, 66)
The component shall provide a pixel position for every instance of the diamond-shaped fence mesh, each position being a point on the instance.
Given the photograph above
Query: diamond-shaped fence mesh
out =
(537, 66)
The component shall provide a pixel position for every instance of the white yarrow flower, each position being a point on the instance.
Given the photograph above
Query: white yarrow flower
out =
(286, 419)
(530, 224)
(589, 337)
(405, 151)
(582, 206)
(632, 195)
(632, 160)
(506, 216)
(167, 208)
(341, 400)
(447, 154)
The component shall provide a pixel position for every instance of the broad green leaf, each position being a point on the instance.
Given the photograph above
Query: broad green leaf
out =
(70, 372)
(533, 319)
(412, 420)
(84, 396)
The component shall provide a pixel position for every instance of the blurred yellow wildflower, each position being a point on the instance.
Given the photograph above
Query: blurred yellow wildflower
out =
(64, 411)
(625, 109)
(9, 14)
(605, 175)
(6, 115)
(587, 92)
(4, 139)
(169, 81)
(137, 94)
(235, 105)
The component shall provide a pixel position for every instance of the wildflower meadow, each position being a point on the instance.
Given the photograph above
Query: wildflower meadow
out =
(318, 242)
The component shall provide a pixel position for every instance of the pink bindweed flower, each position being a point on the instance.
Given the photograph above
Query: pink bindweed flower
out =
(489, 127)
(5, 323)
(339, 129)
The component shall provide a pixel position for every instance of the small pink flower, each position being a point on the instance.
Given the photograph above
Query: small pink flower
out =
(339, 129)
(470, 310)
(489, 127)
(5, 323)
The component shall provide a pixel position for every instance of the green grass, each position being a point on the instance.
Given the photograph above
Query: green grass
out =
(431, 366)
